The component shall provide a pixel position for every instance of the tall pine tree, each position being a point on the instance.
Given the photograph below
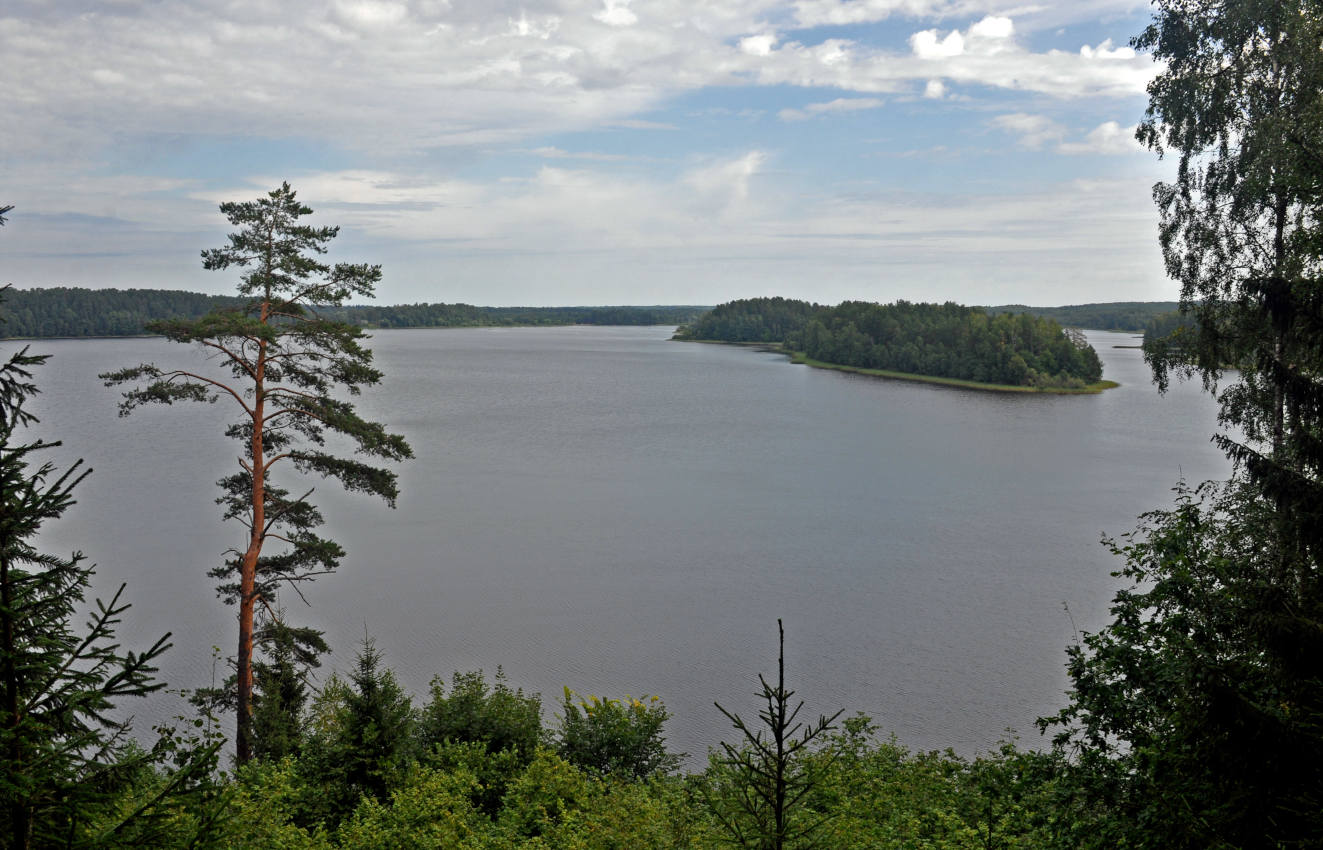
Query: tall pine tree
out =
(285, 371)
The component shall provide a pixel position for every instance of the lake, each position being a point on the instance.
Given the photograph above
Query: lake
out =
(601, 508)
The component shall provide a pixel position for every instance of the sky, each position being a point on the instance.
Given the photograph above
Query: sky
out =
(575, 152)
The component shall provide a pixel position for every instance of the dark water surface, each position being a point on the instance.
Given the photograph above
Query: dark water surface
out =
(605, 509)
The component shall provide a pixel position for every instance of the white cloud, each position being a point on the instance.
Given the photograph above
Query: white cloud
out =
(1107, 138)
(926, 45)
(986, 37)
(1107, 51)
(617, 14)
(558, 153)
(408, 91)
(370, 13)
(525, 27)
(837, 106)
(683, 234)
(758, 45)
(1041, 16)
(634, 124)
(988, 55)
(725, 185)
(371, 193)
(557, 209)
(993, 27)
(396, 77)
(988, 63)
(814, 13)
(1034, 131)
(107, 77)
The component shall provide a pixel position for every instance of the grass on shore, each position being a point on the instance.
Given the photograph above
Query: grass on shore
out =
(1091, 389)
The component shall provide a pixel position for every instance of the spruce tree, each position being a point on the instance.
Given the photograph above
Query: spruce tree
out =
(67, 765)
(757, 790)
(280, 686)
(284, 658)
(361, 736)
(285, 370)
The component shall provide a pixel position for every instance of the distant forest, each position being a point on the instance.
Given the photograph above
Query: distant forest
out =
(1114, 316)
(72, 312)
(939, 340)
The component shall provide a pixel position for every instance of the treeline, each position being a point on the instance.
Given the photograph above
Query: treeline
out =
(466, 315)
(74, 312)
(940, 340)
(1111, 316)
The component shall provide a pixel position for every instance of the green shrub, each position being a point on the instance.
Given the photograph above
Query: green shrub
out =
(430, 809)
(496, 716)
(547, 792)
(620, 737)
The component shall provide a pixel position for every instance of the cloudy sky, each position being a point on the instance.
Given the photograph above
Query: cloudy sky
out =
(550, 152)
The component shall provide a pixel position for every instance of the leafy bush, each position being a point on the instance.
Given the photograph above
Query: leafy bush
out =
(876, 793)
(430, 809)
(498, 717)
(621, 737)
(545, 794)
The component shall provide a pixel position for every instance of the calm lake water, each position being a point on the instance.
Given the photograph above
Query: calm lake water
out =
(604, 509)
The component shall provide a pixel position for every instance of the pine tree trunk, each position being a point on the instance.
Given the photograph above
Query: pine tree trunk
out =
(247, 598)
(248, 568)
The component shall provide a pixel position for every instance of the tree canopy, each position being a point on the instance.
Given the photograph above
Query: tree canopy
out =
(1107, 316)
(1197, 714)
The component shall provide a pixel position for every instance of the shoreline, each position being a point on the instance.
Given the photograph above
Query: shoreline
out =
(799, 358)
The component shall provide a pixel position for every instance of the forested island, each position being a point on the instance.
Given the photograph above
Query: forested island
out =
(931, 341)
(75, 312)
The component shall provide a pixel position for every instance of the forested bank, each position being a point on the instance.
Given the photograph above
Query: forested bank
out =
(939, 340)
(74, 312)
(1106, 316)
